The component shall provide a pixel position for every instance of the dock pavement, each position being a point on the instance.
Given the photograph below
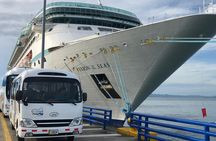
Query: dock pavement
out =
(90, 133)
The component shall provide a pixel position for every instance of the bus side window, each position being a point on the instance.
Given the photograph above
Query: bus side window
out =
(16, 87)
(4, 81)
(19, 81)
(12, 90)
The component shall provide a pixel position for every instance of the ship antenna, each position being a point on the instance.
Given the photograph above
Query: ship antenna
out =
(100, 3)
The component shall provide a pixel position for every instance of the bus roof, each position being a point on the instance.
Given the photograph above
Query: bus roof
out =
(48, 73)
(15, 71)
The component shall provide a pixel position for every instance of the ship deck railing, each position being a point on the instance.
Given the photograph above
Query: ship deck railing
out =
(168, 128)
(97, 116)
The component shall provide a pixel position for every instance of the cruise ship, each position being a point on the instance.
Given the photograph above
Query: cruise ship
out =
(120, 61)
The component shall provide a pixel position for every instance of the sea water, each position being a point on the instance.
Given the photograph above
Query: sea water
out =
(180, 107)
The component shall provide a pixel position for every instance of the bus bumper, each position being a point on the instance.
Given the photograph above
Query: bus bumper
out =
(49, 132)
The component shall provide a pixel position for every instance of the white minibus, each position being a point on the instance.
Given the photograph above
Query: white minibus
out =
(5, 89)
(46, 104)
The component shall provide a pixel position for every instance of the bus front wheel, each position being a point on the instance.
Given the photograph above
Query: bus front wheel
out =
(20, 139)
(70, 138)
(12, 127)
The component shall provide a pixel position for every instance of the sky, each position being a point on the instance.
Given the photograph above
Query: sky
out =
(196, 77)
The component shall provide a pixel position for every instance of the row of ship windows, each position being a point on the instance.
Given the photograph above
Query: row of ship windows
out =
(89, 22)
(88, 28)
(99, 28)
(39, 62)
(91, 12)
(94, 15)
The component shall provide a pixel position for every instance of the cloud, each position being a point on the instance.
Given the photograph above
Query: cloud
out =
(194, 73)
(192, 78)
(204, 90)
(211, 46)
(24, 11)
(165, 13)
(20, 6)
(6, 47)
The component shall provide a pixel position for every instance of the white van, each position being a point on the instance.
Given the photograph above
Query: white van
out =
(5, 89)
(45, 104)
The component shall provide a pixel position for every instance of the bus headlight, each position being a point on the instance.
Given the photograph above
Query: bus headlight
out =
(28, 123)
(76, 121)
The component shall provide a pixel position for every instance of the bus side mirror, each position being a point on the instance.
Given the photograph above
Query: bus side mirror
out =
(19, 95)
(84, 96)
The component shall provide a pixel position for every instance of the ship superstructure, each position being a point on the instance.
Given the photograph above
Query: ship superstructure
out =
(120, 62)
(71, 18)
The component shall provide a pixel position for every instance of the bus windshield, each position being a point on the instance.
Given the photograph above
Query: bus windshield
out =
(51, 90)
(9, 80)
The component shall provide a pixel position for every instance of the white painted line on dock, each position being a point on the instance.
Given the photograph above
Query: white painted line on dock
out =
(92, 129)
(98, 135)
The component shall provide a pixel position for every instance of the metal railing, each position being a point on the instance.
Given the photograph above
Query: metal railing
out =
(97, 116)
(175, 128)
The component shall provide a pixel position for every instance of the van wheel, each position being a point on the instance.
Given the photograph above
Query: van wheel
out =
(4, 115)
(20, 139)
(70, 138)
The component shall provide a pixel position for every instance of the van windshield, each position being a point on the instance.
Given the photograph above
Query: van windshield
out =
(51, 90)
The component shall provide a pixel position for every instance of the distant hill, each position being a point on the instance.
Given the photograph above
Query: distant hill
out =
(183, 96)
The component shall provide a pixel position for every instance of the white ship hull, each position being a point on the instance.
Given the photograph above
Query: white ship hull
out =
(135, 61)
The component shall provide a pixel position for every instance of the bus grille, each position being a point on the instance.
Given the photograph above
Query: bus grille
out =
(52, 123)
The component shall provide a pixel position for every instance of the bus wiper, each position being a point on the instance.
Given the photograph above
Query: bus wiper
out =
(50, 103)
(73, 103)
